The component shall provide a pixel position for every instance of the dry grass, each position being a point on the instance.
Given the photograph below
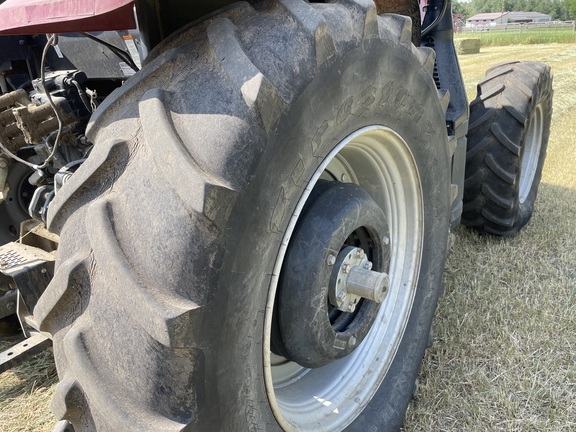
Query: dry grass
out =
(504, 358)
(25, 394)
(505, 352)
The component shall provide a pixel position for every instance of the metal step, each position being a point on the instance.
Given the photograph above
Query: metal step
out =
(30, 270)
(27, 270)
(17, 354)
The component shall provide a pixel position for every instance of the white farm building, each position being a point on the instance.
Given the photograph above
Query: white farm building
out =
(494, 18)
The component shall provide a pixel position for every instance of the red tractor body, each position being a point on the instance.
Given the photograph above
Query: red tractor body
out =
(63, 16)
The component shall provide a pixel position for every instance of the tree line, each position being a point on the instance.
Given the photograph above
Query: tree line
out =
(562, 10)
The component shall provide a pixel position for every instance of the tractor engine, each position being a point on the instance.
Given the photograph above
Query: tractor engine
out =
(44, 129)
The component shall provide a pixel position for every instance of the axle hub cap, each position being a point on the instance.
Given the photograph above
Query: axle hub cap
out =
(326, 306)
(353, 280)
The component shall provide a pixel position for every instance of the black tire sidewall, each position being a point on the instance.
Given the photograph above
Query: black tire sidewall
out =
(542, 96)
(349, 93)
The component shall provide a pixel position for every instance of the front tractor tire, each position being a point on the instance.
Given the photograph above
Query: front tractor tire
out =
(507, 141)
(258, 238)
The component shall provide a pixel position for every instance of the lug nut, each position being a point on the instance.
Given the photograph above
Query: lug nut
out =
(368, 265)
(360, 253)
(341, 295)
(331, 260)
(346, 268)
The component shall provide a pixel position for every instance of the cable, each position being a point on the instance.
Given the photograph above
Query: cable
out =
(83, 96)
(123, 55)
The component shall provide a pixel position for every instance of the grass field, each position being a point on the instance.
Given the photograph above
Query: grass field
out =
(524, 37)
(504, 357)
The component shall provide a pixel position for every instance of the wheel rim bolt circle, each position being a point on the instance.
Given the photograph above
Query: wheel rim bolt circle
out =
(355, 280)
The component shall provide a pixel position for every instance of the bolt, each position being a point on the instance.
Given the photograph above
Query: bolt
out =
(385, 240)
(344, 178)
(360, 253)
(341, 295)
(11, 306)
(331, 260)
(352, 340)
(3, 263)
(346, 268)
(351, 307)
(43, 270)
(368, 265)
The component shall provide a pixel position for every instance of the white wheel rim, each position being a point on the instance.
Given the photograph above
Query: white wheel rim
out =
(531, 153)
(331, 397)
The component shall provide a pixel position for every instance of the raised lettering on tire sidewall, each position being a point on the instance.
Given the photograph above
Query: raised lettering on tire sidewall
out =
(399, 94)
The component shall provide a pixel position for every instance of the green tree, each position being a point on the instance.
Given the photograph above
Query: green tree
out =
(570, 9)
(557, 9)
(461, 8)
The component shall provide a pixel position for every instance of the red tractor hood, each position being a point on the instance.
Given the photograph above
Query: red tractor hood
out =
(65, 16)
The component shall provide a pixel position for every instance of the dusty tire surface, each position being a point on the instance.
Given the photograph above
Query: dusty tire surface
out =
(173, 231)
(507, 140)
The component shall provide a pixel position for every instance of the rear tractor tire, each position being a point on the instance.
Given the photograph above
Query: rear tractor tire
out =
(507, 141)
(258, 238)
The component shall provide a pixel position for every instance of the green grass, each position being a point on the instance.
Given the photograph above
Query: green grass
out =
(504, 357)
(524, 37)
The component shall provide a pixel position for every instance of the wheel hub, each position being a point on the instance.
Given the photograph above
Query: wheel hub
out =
(353, 279)
(329, 293)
